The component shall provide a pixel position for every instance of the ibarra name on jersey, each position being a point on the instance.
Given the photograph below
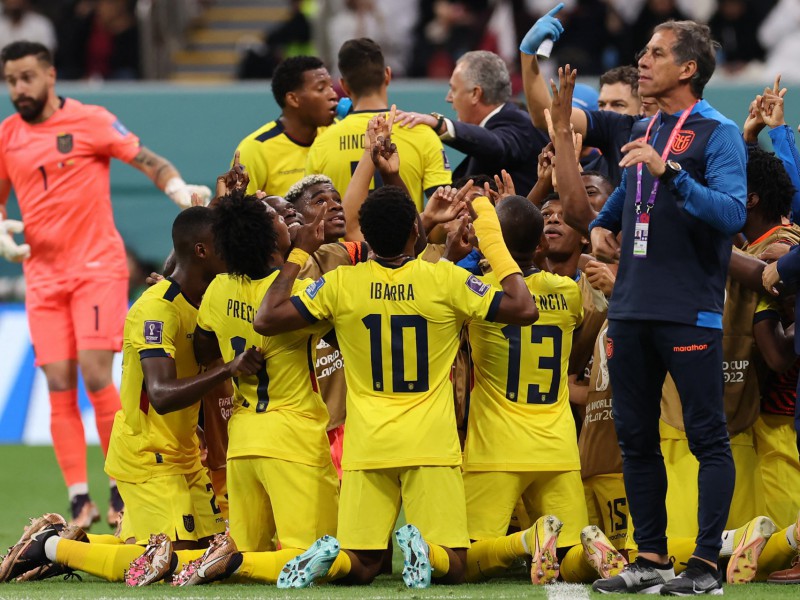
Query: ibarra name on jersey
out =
(387, 291)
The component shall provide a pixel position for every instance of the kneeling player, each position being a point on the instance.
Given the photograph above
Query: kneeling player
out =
(402, 318)
(279, 472)
(154, 451)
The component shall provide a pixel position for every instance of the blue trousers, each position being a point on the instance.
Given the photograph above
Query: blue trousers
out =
(640, 355)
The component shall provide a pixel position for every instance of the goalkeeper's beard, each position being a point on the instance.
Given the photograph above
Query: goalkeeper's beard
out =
(32, 109)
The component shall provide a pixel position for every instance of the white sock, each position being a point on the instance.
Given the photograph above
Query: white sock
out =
(50, 546)
(790, 536)
(77, 489)
(525, 542)
(727, 542)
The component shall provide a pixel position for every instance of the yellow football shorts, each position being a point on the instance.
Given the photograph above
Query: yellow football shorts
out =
(269, 496)
(607, 505)
(682, 468)
(182, 506)
(776, 446)
(492, 495)
(433, 501)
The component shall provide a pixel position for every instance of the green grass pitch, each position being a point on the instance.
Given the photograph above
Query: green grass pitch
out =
(31, 485)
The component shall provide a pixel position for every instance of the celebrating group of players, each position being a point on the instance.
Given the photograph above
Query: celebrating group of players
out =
(317, 355)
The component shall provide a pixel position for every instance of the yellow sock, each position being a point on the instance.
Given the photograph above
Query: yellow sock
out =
(440, 560)
(575, 568)
(340, 567)
(101, 560)
(184, 557)
(264, 567)
(487, 558)
(681, 549)
(775, 556)
(105, 538)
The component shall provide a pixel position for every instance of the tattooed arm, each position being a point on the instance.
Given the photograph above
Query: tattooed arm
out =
(166, 178)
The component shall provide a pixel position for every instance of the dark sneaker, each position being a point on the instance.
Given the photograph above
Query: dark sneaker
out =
(51, 569)
(698, 578)
(635, 578)
(28, 552)
(84, 511)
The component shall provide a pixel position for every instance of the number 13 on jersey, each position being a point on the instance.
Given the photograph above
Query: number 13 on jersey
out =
(539, 378)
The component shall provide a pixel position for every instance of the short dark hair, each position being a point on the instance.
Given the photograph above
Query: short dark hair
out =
(23, 48)
(244, 234)
(767, 177)
(477, 180)
(387, 218)
(626, 74)
(693, 42)
(521, 223)
(289, 75)
(362, 65)
(606, 181)
(189, 227)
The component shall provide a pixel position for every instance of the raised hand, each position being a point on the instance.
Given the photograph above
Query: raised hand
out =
(604, 245)
(753, 124)
(410, 120)
(561, 102)
(600, 276)
(640, 151)
(443, 206)
(770, 104)
(505, 186)
(546, 27)
(457, 245)
(545, 166)
(310, 237)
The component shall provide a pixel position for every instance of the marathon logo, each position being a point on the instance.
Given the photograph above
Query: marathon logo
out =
(682, 141)
(690, 348)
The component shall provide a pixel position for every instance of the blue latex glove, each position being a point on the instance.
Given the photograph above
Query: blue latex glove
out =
(344, 107)
(546, 27)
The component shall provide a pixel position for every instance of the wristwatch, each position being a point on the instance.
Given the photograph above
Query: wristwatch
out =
(671, 170)
(439, 121)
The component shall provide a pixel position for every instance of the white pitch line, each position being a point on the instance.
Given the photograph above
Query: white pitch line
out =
(567, 591)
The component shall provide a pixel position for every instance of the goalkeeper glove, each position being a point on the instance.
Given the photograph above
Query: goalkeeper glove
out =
(9, 249)
(181, 192)
(548, 27)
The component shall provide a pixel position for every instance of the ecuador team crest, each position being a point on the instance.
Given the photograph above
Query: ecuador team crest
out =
(64, 143)
(682, 141)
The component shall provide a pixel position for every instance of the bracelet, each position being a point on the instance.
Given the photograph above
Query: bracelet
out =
(298, 257)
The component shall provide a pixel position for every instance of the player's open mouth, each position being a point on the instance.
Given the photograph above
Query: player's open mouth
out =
(552, 232)
(337, 219)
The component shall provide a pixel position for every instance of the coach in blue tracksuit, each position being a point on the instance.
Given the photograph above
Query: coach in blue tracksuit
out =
(681, 198)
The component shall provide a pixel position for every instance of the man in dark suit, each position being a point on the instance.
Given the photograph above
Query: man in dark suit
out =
(491, 130)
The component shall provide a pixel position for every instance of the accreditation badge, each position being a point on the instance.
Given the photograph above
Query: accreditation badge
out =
(640, 234)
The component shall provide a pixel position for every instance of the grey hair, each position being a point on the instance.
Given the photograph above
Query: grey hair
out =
(487, 71)
(693, 42)
(298, 189)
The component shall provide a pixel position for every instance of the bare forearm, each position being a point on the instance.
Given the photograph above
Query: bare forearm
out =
(156, 167)
(578, 212)
(537, 95)
(176, 394)
(276, 307)
(354, 197)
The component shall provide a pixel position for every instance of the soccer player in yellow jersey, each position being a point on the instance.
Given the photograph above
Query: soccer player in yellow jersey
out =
(275, 153)
(154, 452)
(336, 151)
(397, 321)
(279, 472)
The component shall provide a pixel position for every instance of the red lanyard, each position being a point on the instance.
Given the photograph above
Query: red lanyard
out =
(675, 130)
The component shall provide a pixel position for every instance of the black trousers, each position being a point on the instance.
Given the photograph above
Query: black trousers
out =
(640, 355)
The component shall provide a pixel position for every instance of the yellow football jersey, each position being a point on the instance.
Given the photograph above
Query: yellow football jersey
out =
(277, 413)
(519, 418)
(398, 330)
(423, 162)
(143, 443)
(273, 160)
